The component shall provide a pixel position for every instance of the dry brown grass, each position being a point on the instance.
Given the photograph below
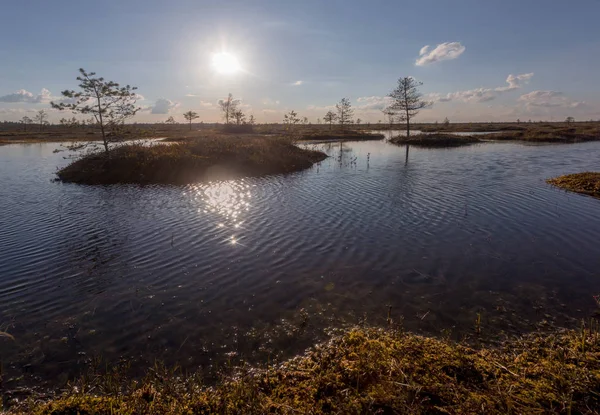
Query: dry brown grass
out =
(372, 371)
(587, 183)
(192, 160)
(436, 140)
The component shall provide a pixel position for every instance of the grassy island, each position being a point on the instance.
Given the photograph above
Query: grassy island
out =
(436, 140)
(209, 158)
(559, 132)
(587, 183)
(371, 371)
(349, 135)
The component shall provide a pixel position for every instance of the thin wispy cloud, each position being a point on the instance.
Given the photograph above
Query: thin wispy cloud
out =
(549, 99)
(442, 52)
(483, 94)
(298, 83)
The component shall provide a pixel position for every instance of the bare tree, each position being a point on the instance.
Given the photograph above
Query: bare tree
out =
(407, 99)
(318, 121)
(190, 116)
(391, 116)
(240, 117)
(41, 118)
(344, 112)
(251, 120)
(108, 102)
(330, 117)
(290, 119)
(171, 121)
(358, 120)
(446, 122)
(228, 107)
(569, 120)
(26, 121)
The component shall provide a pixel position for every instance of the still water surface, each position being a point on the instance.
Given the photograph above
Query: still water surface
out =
(256, 268)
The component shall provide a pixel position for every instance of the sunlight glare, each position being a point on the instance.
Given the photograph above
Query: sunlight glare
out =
(225, 63)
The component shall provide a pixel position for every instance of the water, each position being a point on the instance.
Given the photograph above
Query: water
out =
(256, 269)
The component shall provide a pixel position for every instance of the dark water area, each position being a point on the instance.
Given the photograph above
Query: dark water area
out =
(256, 269)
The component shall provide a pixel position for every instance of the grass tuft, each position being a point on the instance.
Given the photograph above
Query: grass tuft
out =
(367, 370)
(587, 183)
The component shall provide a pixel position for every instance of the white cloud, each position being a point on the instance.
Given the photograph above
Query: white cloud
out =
(549, 99)
(442, 52)
(298, 83)
(484, 94)
(25, 96)
(321, 108)
(164, 106)
(515, 82)
(372, 103)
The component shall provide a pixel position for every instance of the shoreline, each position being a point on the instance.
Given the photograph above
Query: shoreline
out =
(364, 370)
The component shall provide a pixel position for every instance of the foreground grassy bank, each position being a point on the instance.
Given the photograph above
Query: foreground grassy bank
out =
(435, 140)
(209, 158)
(371, 371)
(587, 183)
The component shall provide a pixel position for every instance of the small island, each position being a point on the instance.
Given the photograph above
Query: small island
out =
(348, 135)
(435, 140)
(214, 157)
(587, 183)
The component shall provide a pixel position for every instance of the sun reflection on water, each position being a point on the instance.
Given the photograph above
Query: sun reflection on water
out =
(227, 199)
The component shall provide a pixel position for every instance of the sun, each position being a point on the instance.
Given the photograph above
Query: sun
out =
(225, 63)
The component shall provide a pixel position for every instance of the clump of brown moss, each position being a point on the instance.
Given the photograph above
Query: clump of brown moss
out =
(208, 158)
(587, 183)
(375, 371)
(436, 140)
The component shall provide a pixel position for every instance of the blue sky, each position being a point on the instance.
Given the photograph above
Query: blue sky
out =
(307, 55)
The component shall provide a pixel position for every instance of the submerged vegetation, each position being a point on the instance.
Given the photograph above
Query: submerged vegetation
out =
(587, 183)
(209, 158)
(369, 371)
(436, 140)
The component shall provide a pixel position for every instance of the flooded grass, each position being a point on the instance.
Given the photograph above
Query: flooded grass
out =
(436, 140)
(587, 183)
(366, 370)
(209, 158)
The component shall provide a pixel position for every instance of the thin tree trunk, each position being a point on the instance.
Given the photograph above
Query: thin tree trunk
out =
(407, 125)
(102, 127)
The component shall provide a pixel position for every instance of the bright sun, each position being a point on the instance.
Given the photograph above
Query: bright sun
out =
(225, 63)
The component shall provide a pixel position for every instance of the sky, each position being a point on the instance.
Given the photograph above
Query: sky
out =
(478, 60)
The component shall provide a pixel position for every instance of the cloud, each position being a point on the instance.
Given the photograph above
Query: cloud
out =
(298, 83)
(25, 96)
(484, 94)
(549, 99)
(321, 108)
(372, 103)
(163, 106)
(515, 82)
(270, 102)
(442, 52)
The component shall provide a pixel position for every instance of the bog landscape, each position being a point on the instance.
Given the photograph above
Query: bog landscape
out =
(299, 229)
